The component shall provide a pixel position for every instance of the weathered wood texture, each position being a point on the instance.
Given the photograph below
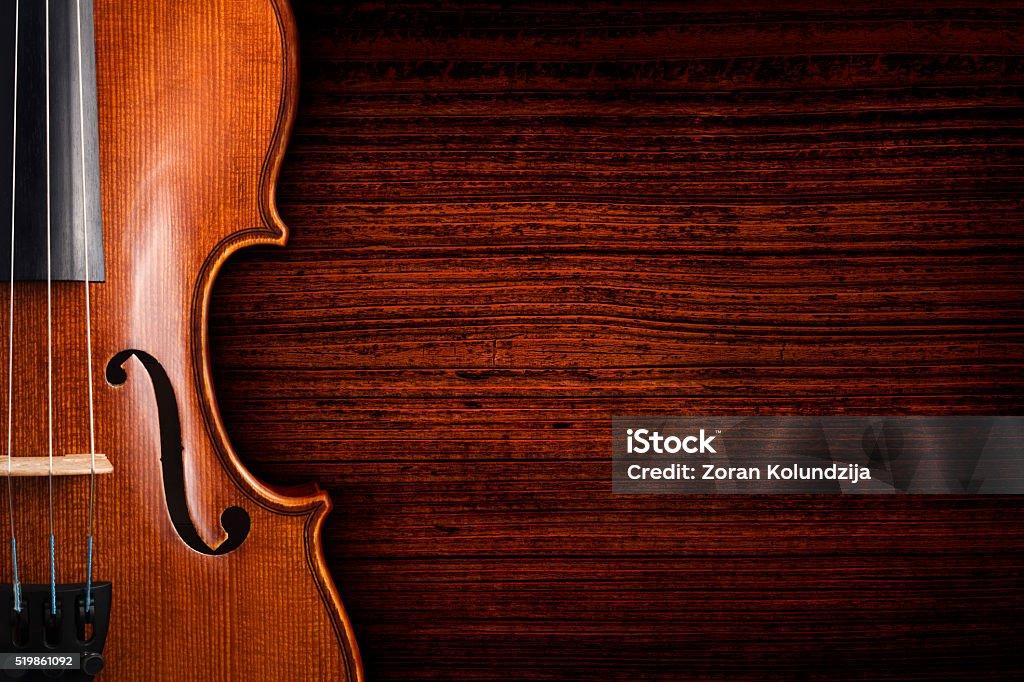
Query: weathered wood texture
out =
(511, 222)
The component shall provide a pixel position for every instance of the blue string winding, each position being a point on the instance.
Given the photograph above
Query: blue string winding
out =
(53, 578)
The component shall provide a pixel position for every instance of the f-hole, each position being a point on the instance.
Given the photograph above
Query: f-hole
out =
(234, 520)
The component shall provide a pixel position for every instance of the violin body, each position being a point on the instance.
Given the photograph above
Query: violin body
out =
(215, 576)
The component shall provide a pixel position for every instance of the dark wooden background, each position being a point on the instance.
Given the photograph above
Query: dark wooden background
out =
(512, 221)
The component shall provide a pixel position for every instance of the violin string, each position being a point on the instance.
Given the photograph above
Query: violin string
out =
(88, 319)
(10, 326)
(49, 325)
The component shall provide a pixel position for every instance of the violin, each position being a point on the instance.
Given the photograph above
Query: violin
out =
(140, 145)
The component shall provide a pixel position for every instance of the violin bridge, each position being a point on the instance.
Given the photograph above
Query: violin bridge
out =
(63, 465)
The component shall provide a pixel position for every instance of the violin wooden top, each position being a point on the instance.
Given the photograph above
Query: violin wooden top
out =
(196, 102)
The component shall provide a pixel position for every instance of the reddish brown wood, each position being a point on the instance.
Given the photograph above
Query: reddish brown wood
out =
(512, 221)
(195, 104)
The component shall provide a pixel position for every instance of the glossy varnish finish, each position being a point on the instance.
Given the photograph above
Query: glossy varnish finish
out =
(195, 103)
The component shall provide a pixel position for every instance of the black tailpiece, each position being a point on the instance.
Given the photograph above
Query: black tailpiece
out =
(36, 632)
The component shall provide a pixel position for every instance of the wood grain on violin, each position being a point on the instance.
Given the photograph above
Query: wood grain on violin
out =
(195, 103)
(511, 221)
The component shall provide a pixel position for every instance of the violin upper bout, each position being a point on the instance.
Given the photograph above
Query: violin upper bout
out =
(196, 105)
(271, 218)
